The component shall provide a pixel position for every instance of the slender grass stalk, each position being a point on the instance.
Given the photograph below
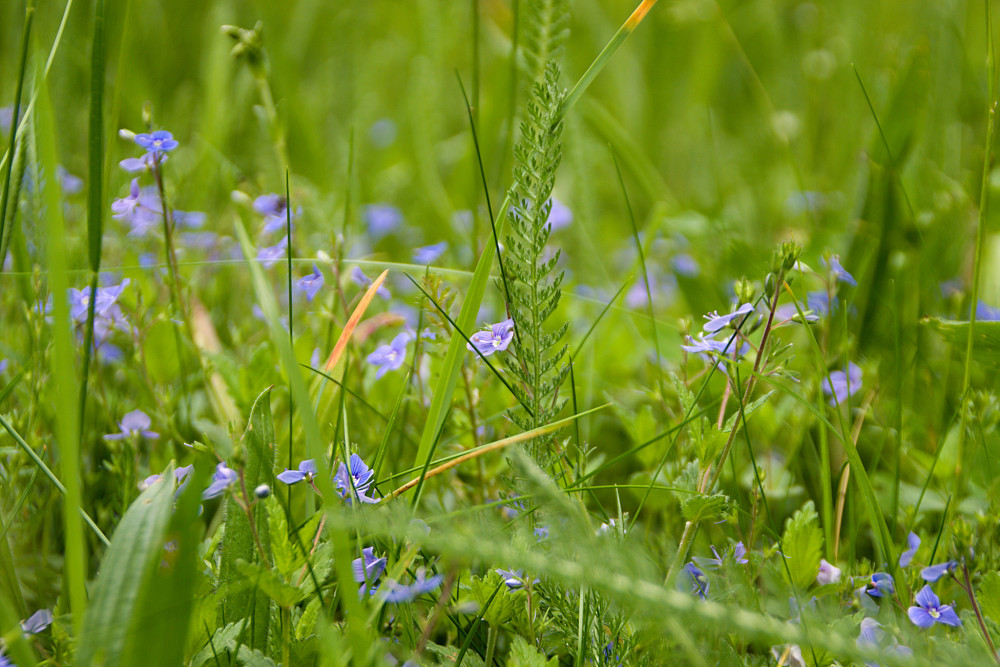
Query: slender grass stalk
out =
(29, 15)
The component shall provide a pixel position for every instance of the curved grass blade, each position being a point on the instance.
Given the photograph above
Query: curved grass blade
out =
(29, 14)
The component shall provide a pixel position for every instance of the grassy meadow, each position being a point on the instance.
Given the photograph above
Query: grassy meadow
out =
(517, 332)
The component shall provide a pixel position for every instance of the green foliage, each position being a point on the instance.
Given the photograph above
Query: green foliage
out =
(491, 590)
(705, 508)
(546, 29)
(802, 545)
(523, 654)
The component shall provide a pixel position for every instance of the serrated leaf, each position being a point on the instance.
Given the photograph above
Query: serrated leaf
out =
(747, 411)
(223, 641)
(504, 604)
(523, 654)
(307, 623)
(253, 658)
(268, 581)
(705, 508)
(802, 545)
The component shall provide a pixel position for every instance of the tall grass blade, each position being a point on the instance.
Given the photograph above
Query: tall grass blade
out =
(29, 14)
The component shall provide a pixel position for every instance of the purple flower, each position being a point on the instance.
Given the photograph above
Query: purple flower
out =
(871, 634)
(180, 474)
(269, 255)
(305, 473)
(881, 585)
(514, 579)
(189, 219)
(134, 424)
(828, 574)
(838, 271)
(368, 568)
(496, 339)
(790, 654)
(6, 117)
(697, 581)
(819, 302)
(929, 610)
(160, 141)
(125, 208)
(840, 385)
(398, 593)
(310, 284)
(359, 278)
(428, 254)
(199, 240)
(716, 322)
(68, 183)
(382, 219)
(221, 481)
(37, 622)
(560, 215)
(274, 208)
(356, 480)
(934, 572)
(986, 313)
(912, 542)
(389, 357)
(105, 305)
(738, 555)
(685, 265)
(4, 661)
(136, 164)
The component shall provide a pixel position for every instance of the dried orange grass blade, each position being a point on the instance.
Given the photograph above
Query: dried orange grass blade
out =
(359, 311)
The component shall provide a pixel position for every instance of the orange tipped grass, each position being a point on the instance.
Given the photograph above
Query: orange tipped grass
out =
(352, 323)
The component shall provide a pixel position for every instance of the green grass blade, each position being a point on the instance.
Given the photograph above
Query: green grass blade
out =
(10, 628)
(29, 14)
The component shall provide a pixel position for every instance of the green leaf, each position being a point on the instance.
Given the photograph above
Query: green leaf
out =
(802, 545)
(523, 654)
(502, 609)
(985, 337)
(989, 596)
(270, 583)
(222, 642)
(703, 508)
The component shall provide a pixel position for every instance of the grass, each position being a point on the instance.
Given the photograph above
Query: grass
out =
(696, 138)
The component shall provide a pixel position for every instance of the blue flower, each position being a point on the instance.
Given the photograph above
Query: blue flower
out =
(389, 357)
(697, 581)
(134, 424)
(685, 265)
(881, 585)
(935, 572)
(136, 164)
(359, 278)
(368, 568)
(274, 208)
(271, 254)
(4, 661)
(398, 593)
(189, 219)
(496, 339)
(840, 385)
(221, 480)
(838, 271)
(929, 610)
(738, 555)
(986, 313)
(828, 574)
(305, 473)
(514, 579)
(160, 141)
(105, 304)
(912, 543)
(310, 284)
(68, 183)
(716, 322)
(429, 253)
(382, 219)
(356, 480)
(37, 622)
(180, 474)
(560, 215)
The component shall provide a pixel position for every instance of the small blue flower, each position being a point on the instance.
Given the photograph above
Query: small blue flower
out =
(359, 278)
(912, 543)
(560, 215)
(189, 219)
(828, 574)
(180, 475)
(305, 473)
(697, 581)
(134, 424)
(881, 585)
(382, 219)
(716, 322)
(221, 480)
(37, 622)
(398, 593)
(496, 339)
(389, 357)
(934, 572)
(986, 313)
(271, 254)
(274, 208)
(839, 385)
(311, 284)
(685, 265)
(429, 254)
(514, 579)
(136, 164)
(368, 568)
(160, 141)
(929, 610)
(738, 555)
(838, 271)
(68, 183)
(356, 480)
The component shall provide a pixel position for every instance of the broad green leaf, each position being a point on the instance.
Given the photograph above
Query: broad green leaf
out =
(802, 545)
(985, 337)
(523, 654)
(502, 609)
(705, 508)
(989, 596)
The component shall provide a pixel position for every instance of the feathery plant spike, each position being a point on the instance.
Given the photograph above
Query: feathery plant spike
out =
(534, 289)
(546, 28)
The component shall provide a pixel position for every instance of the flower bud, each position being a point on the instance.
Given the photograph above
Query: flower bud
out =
(262, 491)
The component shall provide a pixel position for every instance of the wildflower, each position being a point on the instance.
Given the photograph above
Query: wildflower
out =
(685, 265)
(738, 556)
(68, 183)
(271, 254)
(382, 219)
(398, 593)
(6, 117)
(697, 580)
(881, 585)
(158, 142)
(262, 491)
(357, 480)
(838, 271)
(310, 284)
(496, 339)
(221, 481)
(934, 572)
(828, 574)
(104, 305)
(4, 660)
(125, 208)
(560, 215)
(189, 219)
(180, 474)
(368, 568)
(789, 654)
(514, 579)
(929, 610)
(610, 527)
(428, 254)
(872, 636)
(912, 542)
(541, 533)
(134, 424)
(389, 357)
(819, 302)
(840, 385)
(136, 164)
(307, 470)
(274, 208)
(359, 278)
(37, 622)
(716, 322)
